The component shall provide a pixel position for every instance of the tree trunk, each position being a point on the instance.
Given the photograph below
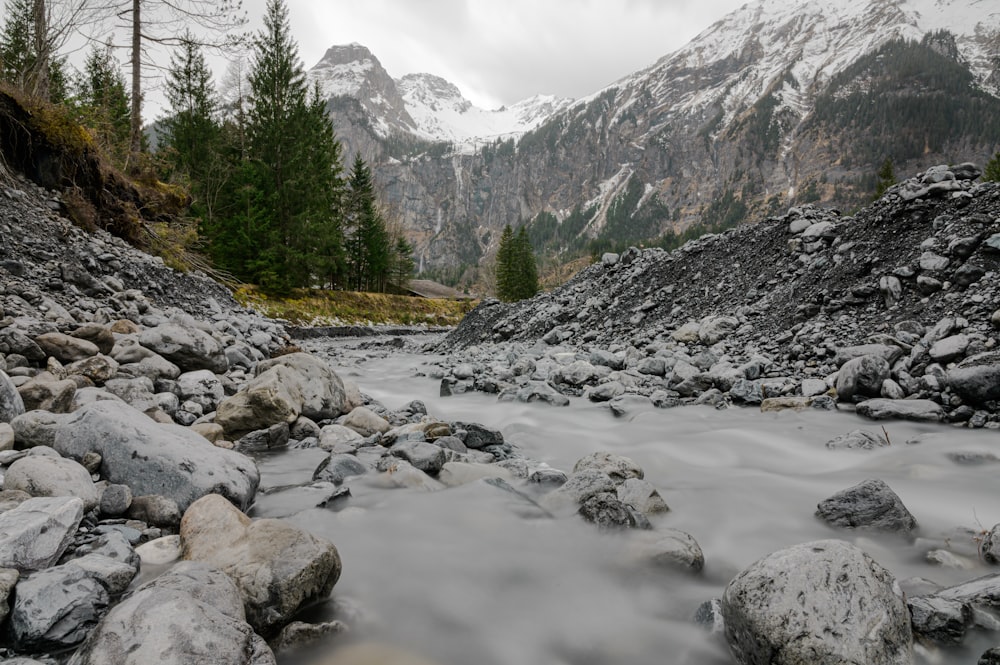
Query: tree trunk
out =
(135, 133)
(40, 68)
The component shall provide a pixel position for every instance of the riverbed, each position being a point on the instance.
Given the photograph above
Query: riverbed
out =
(472, 574)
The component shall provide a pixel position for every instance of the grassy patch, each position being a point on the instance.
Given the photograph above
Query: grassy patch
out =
(313, 307)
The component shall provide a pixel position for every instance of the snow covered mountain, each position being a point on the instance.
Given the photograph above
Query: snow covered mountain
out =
(781, 102)
(423, 105)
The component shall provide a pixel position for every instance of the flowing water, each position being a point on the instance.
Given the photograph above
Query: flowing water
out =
(464, 576)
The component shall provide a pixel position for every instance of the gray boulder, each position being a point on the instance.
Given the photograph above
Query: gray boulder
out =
(37, 428)
(868, 505)
(8, 580)
(65, 348)
(46, 393)
(42, 475)
(36, 533)
(202, 387)
(366, 422)
(642, 496)
(940, 620)
(618, 467)
(478, 436)
(859, 438)
(324, 395)
(862, 376)
(156, 459)
(338, 467)
(188, 348)
(920, 410)
(427, 457)
(56, 608)
(887, 352)
(100, 369)
(578, 373)
(713, 329)
(668, 548)
(977, 379)
(269, 398)
(820, 602)
(11, 404)
(277, 567)
(191, 614)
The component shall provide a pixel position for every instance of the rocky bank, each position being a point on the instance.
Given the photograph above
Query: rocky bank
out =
(134, 401)
(892, 310)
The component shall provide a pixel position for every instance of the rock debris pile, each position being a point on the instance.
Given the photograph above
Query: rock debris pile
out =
(895, 309)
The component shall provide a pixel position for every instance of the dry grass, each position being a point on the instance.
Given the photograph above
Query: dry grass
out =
(314, 307)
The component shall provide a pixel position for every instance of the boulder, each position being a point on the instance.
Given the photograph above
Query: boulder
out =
(191, 614)
(940, 620)
(977, 379)
(156, 459)
(324, 395)
(365, 422)
(46, 393)
(277, 567)
(862, 376)
(427, 457)
(11, 404)
(868, 505)
(271, 397)
(920, 410)
(42, 475)
(859, 438)
(37, 428)
(478, 436)
(65, 348)
(57, 608)
(667, 548)
(617, 467)
(577, 374)
(887, 352)
(36, 533)
(820, 602)
(187, 347)
(642, 496)
(714, 329)
(332, 436)
(98, 369)
(338, 467)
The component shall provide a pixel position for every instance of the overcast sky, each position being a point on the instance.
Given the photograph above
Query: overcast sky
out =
(501, 51)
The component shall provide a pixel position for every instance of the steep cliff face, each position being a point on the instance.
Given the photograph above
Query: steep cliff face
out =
(780, 102)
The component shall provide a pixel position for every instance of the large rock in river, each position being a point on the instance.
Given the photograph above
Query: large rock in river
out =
(821, 602)
(152, 458)
(191, 614)
(283, 389)
(278, 567)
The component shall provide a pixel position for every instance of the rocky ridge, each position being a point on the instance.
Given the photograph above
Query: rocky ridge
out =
(894, 309)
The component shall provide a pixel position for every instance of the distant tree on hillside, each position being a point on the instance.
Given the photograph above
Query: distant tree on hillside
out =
(516, 271)
(992, 170)
(369, 251)
(886, 177)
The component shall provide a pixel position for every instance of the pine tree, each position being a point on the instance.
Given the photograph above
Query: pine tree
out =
(17, 57)
(369, 251)
(190, 135)
(505, 286)
(886, 177)
(102, 101)
(402, 267)
(992, 170)
(294, 157)
(525, 267)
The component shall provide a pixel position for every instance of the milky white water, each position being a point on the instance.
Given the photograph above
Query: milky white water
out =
(463, 576)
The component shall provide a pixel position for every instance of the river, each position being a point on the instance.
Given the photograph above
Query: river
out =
(465, 575)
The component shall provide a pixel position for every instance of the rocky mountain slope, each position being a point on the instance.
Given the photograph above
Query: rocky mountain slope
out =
(894, 308)
(779, 103)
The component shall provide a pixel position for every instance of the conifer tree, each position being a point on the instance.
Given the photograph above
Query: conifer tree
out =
(17, 57)
(886, 177)
(505, 266)
(294, 160)
(102, 101)
(526, 269)
(402, 262)
(190, 135)
(992, 171)
(369, 251)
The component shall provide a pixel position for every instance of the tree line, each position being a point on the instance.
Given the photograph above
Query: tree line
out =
(275, 203)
